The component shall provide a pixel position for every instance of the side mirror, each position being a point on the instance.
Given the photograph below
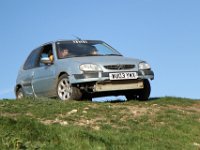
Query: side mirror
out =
(45, 60)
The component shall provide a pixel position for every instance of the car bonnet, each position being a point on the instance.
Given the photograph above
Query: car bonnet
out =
(105, 60)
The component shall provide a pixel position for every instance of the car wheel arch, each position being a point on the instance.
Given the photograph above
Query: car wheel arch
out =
(19, 91)
(62, 73)
(17, 87)
(75, 93)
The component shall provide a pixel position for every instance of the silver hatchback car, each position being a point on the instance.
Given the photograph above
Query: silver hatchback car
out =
(80, 70)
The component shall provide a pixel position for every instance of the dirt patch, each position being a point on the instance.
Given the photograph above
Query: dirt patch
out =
(188, 109)
(12, 115)
(92, 123)
(29, 114)
(137, 111)
(73, 111)
(56, 121)
(128, 112)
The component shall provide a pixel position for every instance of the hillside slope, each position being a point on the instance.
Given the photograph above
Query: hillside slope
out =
(164, 123)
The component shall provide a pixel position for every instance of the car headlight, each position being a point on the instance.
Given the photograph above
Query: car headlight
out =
(89, 67)
(144, 65)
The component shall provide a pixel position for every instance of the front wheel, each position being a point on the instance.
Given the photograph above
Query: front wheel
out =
(145, 92)
(142, 94)
(66, 91)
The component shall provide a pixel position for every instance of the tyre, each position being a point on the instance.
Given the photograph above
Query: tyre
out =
(131, 95)
(65, 91)
(142, 94)
(19, 94)
(145, 92)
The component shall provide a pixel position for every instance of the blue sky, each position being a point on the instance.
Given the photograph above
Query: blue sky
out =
(166, 33)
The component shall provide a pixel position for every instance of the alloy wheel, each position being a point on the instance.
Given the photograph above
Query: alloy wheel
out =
(64, 89)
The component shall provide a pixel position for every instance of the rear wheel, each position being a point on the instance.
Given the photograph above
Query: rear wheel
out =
(19, 94)
(65, 91)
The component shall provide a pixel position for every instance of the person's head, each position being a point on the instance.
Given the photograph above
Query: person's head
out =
(63, 53)
(94, 51)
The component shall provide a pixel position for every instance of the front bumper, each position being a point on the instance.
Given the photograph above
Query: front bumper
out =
(104, 76)
(118, 85)
(146, 74)
(95, 82)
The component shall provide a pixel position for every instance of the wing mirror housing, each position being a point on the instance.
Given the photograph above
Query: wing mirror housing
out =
(46, 60)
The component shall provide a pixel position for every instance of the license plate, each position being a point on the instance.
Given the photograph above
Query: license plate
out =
(123, 75)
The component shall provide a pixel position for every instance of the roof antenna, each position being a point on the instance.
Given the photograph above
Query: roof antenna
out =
(78, 38)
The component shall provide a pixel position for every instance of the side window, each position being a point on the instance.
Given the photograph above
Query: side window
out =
(32, 60)
(47, 51)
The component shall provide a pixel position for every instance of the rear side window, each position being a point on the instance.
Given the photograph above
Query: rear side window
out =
(32, 60)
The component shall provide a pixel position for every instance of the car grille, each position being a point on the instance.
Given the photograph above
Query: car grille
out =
(120, 67)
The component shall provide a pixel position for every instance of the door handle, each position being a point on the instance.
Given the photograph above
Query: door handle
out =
(32, 75)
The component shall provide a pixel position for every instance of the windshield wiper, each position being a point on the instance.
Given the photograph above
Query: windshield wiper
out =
(91, 55)
(84, 55)
(113, 55)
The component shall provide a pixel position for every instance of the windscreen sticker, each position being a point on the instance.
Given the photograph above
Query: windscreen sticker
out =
(79, 41)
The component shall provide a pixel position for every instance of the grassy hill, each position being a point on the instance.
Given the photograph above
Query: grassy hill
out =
(164, 123)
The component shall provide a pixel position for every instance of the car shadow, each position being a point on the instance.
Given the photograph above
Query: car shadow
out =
(117, 101)
(122, 101)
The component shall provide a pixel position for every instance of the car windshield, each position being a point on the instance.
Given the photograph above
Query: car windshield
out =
(79, 48)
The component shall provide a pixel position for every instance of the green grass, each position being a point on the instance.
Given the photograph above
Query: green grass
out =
(163, 123)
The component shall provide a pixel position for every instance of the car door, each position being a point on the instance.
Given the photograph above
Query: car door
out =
(27, 82)
(27, 73)
(44, 75)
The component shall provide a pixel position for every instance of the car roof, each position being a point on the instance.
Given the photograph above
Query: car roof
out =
(63, 40)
